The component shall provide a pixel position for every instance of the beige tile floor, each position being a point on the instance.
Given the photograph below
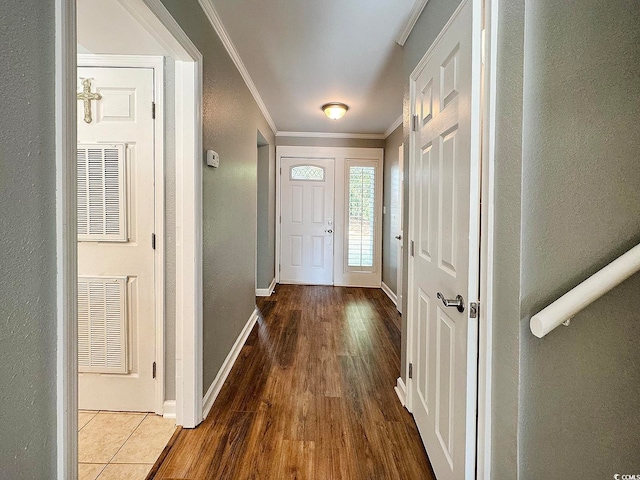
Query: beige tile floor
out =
(114, 446)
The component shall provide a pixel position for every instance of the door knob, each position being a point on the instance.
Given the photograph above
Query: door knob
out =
(329, 231)
(398, 237)
(458, 302)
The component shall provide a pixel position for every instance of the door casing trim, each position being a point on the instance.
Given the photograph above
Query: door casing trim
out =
(485, 330)
(156, 19)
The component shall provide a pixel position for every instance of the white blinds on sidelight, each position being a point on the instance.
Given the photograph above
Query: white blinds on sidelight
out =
(361, 227)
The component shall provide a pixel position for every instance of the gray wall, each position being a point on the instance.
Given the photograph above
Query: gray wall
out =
(329, 142)
(580, 386)
(169, 230)
(265, 270)
(28, 241)
(389, 243)
(506, 300)
(231, 118)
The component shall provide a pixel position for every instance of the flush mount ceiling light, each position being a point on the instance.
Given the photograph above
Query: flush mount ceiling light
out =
(335, 110)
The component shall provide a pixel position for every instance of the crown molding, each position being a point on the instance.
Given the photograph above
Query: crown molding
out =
(369, 136)
(393, 126)
(417, 9)
(217, 25)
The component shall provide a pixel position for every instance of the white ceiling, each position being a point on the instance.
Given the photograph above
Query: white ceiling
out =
(302, 54)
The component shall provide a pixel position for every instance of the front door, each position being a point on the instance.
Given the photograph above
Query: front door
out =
(445, 217)
(116, 325)
(307, 195)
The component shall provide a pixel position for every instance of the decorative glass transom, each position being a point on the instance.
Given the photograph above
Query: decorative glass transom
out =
(307, 172)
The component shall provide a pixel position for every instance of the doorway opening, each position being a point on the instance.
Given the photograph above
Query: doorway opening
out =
(265, 217)
(108, 196)
(121, 315)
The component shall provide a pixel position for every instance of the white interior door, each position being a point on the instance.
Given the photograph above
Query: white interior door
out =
(307, 228)
(445, 216)
(116, 325)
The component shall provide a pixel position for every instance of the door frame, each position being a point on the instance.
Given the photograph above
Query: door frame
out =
(400, 287)
(360, 153)
(487, 238)
(158, 21)
(155, 63)
(488, 10)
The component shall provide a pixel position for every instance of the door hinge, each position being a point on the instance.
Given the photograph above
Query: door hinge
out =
(153, 110)
(153, 241)
(280, 219)
(280, 267)
(474, 310)
(154, 369)
(411, 370)
(412, 249)
(414, 123)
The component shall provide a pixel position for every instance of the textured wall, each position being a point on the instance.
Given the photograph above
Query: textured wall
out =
(231, 118)
(389, 243)
(28, 241)
(169, 230)
(507, 238)
(580, 386)
(329, 142)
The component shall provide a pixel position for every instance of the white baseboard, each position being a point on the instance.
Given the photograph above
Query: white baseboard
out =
(390, 294)
(223, 373)
(266, 292)
(169, 409)
(401, 391)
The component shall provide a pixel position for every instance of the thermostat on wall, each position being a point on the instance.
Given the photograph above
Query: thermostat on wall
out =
(213, 159)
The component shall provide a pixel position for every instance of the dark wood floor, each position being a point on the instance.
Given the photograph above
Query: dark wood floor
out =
(310, 397)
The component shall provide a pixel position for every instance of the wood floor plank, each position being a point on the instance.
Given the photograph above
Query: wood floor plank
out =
(310, 397)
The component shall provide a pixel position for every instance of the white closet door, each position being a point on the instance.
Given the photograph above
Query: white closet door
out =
(116, 296)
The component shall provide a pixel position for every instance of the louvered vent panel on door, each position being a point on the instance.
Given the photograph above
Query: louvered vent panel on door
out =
(102, 325)
(101, 193)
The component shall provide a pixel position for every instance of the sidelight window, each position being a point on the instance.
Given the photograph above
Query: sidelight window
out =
(361, 210)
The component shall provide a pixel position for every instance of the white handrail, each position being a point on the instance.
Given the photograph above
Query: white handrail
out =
(587, 292)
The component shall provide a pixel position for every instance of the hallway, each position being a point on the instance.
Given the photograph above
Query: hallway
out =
(311, 396)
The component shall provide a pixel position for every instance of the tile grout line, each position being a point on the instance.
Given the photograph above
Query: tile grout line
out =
(132, 433)
(102, 470)
(114, 455)
(111, 460)
(127, 439)
(94, 416)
